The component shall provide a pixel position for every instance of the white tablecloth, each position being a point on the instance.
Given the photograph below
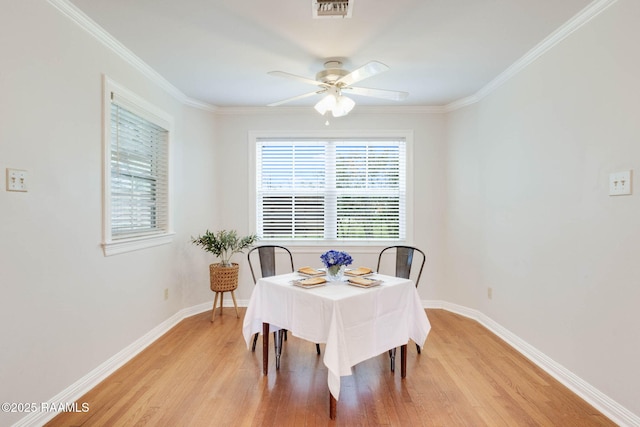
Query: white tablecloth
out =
(355, 323)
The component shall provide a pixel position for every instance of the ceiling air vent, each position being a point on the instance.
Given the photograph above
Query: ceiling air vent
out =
(332, 8)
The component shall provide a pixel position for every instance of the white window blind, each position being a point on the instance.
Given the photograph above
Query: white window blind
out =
(136, 172)
(139, 173)
(331, 189)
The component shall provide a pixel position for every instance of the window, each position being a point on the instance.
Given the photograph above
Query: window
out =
(347, 189)
(136, 196)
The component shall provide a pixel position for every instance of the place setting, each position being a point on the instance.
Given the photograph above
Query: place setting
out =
(363, 282)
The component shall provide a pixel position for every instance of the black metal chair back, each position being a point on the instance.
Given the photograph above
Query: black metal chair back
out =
(267, 258)
(404, 261)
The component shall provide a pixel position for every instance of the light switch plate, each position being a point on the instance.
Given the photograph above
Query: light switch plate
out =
(16, 180)
(620, 183)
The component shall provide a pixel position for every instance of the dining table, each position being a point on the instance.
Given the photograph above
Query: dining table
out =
(355, 323)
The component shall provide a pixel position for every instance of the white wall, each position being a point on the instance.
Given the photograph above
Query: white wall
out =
(528, 208)
(65, 308)
(429, 179)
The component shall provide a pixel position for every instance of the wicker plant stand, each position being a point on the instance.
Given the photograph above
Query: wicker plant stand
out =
(223, 279)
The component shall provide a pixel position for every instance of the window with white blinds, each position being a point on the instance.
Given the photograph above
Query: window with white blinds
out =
(338, 189)
(137, 175)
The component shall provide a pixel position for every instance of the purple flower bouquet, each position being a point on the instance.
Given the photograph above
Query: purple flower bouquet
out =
(335, 261)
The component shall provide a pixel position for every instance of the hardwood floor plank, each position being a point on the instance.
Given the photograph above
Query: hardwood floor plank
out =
(202, 374)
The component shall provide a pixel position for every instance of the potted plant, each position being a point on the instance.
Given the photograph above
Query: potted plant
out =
(223, 276)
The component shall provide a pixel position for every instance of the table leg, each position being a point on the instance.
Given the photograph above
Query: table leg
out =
(332, 406)
(265, 348)
(403, 361)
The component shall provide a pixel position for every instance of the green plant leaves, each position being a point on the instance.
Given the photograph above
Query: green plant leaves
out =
(224, 244)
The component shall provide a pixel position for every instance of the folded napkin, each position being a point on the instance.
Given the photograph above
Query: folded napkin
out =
(360, 271)
(309, 271)
(312, 281)
(363, 281)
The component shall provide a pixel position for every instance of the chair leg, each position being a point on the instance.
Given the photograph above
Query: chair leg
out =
(255, 340)
(403, 361)
(318, 349)
(215, 302)
(233, 296)
(277, 342)
(392, 353)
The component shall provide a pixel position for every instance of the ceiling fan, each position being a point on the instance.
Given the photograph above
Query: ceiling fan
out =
(334, 81)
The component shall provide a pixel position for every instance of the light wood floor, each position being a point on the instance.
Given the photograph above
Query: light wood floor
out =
(201, 374)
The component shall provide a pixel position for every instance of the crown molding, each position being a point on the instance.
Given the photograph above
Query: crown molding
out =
(100, 34)
(191, 102)
(401, 109)
(309, 110)
(584, 16)
(86, 23)
(461, 103)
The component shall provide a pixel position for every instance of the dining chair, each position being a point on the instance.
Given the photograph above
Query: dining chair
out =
(267, 260)
(403, 264)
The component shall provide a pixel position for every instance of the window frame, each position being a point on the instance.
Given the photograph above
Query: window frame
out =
(407, 135)
(144, 109)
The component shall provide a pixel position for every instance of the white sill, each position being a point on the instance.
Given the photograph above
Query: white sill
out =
(129, 245)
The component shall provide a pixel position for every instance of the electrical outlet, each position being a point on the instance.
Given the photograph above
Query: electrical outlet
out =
(620, 183)
(166, 294)
(489, 293)
(16, 180)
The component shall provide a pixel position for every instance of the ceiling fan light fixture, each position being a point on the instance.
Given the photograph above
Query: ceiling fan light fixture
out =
(328, 103)
(343, 106)
(333, 80)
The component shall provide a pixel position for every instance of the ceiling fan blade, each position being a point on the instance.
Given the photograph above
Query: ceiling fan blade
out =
(393, 95)
(294, 77)
(295, 98)
(367, 70)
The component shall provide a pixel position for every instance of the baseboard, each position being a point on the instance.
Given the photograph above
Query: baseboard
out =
(600, 401)
(78, 389)
(611, 409)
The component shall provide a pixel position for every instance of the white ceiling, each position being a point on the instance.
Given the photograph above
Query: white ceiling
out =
(219, 51)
